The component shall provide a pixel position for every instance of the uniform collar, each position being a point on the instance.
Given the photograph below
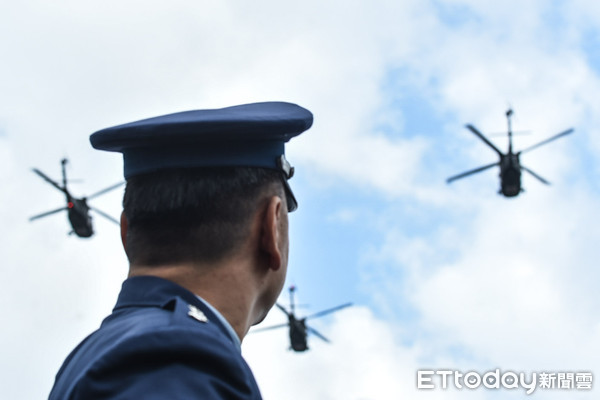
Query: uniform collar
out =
(234, 337)
(152, 291)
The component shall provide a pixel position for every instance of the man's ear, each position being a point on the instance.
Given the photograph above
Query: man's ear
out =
(124, 230)
(271, 232)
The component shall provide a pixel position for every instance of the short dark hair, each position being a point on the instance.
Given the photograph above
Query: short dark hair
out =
(193, 215)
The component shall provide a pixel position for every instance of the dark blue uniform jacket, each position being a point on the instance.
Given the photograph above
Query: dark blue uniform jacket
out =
(156, 345)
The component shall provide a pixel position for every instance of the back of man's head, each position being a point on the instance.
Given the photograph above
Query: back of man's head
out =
(198, 215)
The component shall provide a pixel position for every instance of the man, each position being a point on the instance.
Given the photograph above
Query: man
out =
(205, 229)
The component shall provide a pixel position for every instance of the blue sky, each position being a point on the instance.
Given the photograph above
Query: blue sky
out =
(442, 276)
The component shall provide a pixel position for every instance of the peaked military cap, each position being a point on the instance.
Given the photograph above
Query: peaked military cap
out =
(249, 135)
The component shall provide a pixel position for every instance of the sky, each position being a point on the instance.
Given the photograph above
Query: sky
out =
(442, 277)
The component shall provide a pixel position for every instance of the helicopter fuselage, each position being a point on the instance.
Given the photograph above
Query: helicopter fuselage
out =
(79, 217)
(297, 328)
(78, 210)
(510, 164)
(510, 175)
(298, 335)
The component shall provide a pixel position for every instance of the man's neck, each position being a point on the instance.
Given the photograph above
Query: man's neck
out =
(228, 287)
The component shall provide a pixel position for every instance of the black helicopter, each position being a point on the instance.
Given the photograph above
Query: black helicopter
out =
(298, 330)
(510, 164)
(77, 208)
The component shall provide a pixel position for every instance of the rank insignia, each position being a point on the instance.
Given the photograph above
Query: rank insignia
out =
(196, 313)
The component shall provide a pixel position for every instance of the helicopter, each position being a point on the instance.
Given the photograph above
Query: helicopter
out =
(510, 163)
(298, 330)
(77, 208)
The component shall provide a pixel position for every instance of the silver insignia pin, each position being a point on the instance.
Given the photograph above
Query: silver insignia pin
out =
(196, 313)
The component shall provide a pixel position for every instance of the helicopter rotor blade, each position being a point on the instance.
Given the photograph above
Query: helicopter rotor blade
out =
(535, 175)
(50, 181)
(268, 328)
(105, 215)
(543, 142)
(470, 172)
(329, 311)
(317, 334)
(108, 189)
(486, 141)
(47, 213)
(282, 308)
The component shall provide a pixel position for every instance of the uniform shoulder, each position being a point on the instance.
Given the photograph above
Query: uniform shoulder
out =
(152, 351)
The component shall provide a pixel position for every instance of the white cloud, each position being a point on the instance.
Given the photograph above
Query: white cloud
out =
(519, 293)
(363, 361)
